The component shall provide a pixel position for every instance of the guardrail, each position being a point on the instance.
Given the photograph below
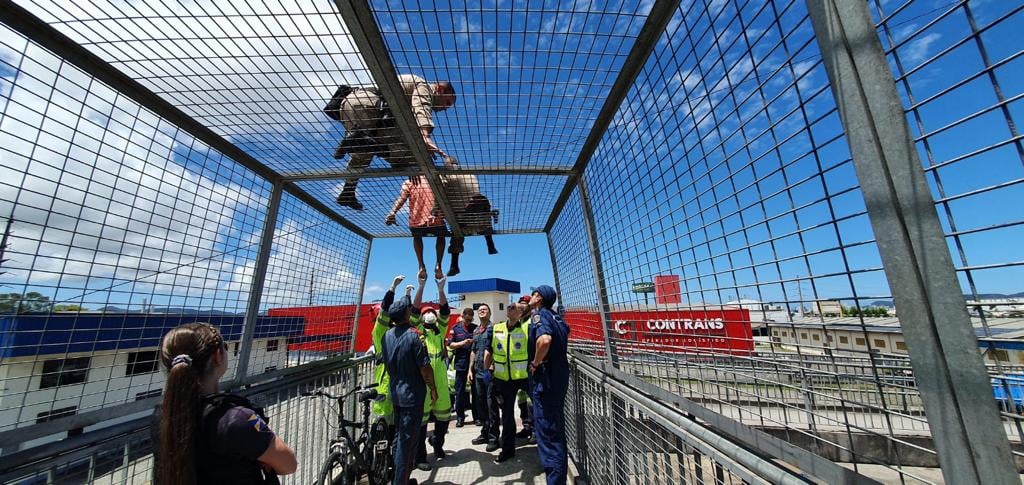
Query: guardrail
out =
(622, 429)
(120, 450)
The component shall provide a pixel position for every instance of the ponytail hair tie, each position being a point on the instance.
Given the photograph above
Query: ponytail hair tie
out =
(181, 359)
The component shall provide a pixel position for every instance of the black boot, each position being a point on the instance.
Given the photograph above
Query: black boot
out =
(437, 441)
(347, 197)
(421, 450)
(491, 249)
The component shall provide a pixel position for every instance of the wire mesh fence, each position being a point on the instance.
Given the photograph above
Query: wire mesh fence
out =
(119, 225)
(740, 265)
(306, 424)
(717, 244)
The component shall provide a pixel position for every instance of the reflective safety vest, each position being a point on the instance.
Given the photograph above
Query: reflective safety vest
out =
(434, 341)
(508, 348)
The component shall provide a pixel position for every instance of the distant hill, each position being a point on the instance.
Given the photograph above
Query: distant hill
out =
(175, 310)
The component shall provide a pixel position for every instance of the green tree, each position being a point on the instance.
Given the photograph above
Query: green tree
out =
(32, 301)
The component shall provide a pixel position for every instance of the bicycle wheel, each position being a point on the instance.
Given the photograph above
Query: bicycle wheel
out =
(335, 471)
(381, 471)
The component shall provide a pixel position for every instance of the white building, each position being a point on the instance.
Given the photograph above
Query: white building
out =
(59, 365)
(495, 292)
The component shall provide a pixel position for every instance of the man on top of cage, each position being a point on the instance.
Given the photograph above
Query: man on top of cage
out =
(370, 126)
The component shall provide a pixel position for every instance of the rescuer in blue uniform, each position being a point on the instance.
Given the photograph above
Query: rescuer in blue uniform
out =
(405, 357)
(549, 379)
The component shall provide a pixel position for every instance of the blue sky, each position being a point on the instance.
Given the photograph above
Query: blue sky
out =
(523, 258)
(677, 182)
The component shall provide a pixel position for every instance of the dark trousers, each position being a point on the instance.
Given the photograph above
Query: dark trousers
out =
(461, 393)
(549, 428)
(508, 391)
(485, 406)
(407, 430)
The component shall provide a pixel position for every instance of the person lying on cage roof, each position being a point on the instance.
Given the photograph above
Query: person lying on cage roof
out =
(370, 126)
(472, 209)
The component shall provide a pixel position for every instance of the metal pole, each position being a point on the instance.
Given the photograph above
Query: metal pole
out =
(258, 276)
(359, 297)
(970, 440)
(554, 267)
(595, 257)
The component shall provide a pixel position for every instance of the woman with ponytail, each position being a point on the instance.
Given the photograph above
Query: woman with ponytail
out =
(203, 436)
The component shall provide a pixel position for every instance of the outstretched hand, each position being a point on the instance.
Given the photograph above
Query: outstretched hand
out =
(397, 281)
(389, 220)
(440, 281)
(408, 289)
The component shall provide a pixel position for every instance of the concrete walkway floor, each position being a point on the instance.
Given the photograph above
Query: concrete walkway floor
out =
(468, 464)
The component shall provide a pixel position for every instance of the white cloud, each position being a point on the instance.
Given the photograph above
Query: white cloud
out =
(919, 49)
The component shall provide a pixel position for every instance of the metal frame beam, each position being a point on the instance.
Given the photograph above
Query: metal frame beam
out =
(655, 25)
(971, 443)
(554, 266)
(41, 33)
(259, 275)
(496, 233)
(362, 25)
(402, 172)
(594, 245)
(359, 296)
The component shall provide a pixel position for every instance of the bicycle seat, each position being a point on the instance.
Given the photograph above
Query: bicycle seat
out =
(367, 395)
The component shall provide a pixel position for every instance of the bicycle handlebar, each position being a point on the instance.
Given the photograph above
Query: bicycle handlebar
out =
(323, 393)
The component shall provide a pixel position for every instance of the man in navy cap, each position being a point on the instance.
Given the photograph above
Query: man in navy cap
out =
(408, 364)
(549, 380)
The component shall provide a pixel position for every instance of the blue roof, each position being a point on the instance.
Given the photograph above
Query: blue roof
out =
(44, 334)
(489, 284)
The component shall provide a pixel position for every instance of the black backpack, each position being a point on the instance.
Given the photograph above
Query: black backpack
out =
(333, 108)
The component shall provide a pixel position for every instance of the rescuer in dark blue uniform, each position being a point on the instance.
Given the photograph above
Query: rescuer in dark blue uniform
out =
(549, 379)
(407, 362)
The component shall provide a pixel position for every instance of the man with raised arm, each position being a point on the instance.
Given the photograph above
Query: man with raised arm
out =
(433, 325)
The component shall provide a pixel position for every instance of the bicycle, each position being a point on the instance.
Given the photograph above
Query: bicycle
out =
(349, 457)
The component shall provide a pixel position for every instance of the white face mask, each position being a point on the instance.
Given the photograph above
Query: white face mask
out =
(430, 318)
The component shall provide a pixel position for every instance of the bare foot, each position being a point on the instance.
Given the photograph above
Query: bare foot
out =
(422, 274)
(438, 272)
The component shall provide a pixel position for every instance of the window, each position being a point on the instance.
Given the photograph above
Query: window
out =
(775, 333)
(501, 306)
(879, 343)
(56, 413)
(803, 335)
(1000, 355)
(141, 363)
(148, 394)
(63, 372)
(844, 339)
(816, 337)
(271, 345)
(829, 338)
(901, 345)
(861, 341)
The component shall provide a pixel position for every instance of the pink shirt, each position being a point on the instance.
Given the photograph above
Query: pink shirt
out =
(421, 203)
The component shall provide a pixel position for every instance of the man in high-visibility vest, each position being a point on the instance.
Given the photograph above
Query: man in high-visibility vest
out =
(510, 357)
(434, 326)
(382, 406)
